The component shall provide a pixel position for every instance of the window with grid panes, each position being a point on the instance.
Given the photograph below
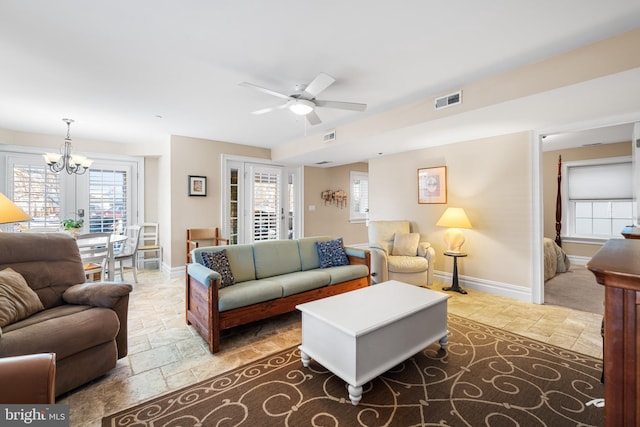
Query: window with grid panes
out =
(600, 198)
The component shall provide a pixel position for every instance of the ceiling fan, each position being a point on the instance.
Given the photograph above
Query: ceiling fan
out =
(304, 101)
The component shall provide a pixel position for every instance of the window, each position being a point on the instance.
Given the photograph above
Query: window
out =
(107, 200)
(359, 200)
(599, 198)
(105, 197)
(36, 190)
(265, 186)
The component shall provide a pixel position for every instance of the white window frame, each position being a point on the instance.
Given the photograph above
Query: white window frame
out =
(354, 178)
(69, 190)
(568, 206)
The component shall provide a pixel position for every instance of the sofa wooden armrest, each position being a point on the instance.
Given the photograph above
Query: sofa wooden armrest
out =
(28, 379)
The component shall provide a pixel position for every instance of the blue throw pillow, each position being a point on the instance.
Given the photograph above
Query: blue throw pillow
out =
(331, 253)
(218, 262)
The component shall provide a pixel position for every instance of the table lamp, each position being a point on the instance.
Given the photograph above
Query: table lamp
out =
(9, 212)
(454, 219)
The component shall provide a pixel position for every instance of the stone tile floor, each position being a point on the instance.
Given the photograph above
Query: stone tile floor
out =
(165, 354)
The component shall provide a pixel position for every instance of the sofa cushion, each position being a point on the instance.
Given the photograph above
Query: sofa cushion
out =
(276, 257)
(309, 251)
(65, 333)
(240, 260)
(405, 244)
(17, 300)
(301, 281)
(248, 293)
(407, 264)
(218, 262)
(344, 273)
(332, 253)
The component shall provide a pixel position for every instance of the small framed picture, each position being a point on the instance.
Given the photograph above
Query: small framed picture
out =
(197, 185)
(432, 185)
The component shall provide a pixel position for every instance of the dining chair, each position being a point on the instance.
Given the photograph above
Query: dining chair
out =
(95, 252)
(150, 244)
(128, 251)
(198, 237)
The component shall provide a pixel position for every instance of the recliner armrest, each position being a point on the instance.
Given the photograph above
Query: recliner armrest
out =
(379, 247)
(97, 294)
(423, 249)
(31, 379)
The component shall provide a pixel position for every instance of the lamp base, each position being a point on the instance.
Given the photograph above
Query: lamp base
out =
(454, 238)
(455, 289)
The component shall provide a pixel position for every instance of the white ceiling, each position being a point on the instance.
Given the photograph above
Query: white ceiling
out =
(115, 66)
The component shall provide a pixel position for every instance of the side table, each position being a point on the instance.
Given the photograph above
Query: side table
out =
(454, 282)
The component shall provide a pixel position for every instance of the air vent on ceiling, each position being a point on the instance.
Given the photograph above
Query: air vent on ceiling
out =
(329, 136)
(323, 162)
(448, 100)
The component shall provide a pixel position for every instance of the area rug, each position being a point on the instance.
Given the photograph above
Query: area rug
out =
(486, 377)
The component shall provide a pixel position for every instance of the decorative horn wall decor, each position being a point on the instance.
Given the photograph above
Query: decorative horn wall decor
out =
(339, 197)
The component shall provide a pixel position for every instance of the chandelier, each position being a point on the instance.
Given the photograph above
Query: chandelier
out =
(72, 163)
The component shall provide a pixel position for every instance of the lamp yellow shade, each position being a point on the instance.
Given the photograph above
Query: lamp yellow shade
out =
(9, 212)
(454, 218)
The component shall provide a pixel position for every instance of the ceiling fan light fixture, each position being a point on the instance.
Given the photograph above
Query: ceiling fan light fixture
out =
(301, 107)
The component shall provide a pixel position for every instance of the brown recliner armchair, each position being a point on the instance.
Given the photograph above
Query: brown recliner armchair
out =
(32, 379)
(83, 324)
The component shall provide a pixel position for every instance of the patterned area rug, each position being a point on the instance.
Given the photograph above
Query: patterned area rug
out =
(487, 377)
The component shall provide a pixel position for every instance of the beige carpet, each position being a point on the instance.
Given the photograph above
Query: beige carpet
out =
(487, 377)
(577, 289)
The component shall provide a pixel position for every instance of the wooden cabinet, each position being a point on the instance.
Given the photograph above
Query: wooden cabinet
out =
(617, 266)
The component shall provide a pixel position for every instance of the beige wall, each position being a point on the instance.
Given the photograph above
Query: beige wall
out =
(550, 186)
(329, 219)
(194, 156)
(490, 179)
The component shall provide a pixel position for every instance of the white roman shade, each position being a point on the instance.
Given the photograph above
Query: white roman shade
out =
(600, 182)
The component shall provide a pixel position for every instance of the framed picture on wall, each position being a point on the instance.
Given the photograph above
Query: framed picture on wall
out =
(197, 185)
(432, 185)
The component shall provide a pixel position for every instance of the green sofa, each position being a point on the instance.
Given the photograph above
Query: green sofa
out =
(270, 278)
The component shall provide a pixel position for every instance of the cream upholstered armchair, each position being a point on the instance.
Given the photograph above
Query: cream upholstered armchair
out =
(398, 254)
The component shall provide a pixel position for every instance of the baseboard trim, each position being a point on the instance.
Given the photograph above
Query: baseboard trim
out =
(496, 288)
(175, 272)
(579, 260)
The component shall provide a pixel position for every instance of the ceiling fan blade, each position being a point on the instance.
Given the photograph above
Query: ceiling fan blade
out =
(354, 106)
(265, 90)
(269, 109)
(317, 85)
(313, 118)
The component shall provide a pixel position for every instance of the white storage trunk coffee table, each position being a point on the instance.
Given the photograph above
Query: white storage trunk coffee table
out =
(360, 334)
